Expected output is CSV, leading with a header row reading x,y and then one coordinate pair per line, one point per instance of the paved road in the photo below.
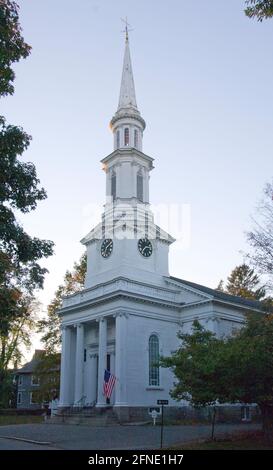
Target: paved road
x,y
60,436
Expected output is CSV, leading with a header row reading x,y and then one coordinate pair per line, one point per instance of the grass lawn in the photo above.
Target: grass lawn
x,y
252,441
5,420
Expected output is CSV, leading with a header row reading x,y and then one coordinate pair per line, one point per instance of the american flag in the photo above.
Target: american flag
x,y
108,384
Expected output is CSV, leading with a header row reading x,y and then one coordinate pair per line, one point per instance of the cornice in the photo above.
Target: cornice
x,y
106,298
121,152
127,115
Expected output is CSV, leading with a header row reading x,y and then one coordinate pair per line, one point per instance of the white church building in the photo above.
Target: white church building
x,y
131,308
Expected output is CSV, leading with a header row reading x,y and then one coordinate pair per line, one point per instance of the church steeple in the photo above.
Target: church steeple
x,y
127,96
127,124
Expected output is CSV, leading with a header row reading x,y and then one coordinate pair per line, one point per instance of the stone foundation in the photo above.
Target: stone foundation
x,y
105,416
188,415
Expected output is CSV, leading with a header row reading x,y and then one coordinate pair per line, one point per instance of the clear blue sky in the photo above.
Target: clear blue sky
x,y
203,76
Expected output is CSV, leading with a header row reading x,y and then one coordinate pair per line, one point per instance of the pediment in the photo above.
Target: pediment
x,y
121,227
188,294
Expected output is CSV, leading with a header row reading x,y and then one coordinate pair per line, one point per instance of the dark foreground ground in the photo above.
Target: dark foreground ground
x,y
60,436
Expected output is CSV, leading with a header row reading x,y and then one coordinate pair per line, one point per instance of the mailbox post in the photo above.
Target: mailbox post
x,y
162,403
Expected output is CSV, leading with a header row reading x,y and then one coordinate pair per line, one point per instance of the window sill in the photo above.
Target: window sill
x,y
154,387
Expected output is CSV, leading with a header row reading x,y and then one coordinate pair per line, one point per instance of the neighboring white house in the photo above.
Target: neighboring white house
x,y
131,309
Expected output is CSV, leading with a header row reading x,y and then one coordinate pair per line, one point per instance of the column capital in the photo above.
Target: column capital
x,y
212,317
121,314
101,319
78,325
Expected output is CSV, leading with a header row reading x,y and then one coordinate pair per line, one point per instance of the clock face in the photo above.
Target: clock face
x,y
145,247
106,247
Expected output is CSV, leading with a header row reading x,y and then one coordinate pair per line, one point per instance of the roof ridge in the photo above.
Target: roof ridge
x,y
219,294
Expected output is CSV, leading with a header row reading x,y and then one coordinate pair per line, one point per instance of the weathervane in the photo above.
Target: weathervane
x,y
126,30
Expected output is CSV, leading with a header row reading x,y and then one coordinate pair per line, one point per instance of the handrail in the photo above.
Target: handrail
x,y
81,401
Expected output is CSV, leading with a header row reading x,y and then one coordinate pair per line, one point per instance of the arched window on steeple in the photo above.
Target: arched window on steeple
x,y
140,186
153,360
135,139
118,139
126,136
113,185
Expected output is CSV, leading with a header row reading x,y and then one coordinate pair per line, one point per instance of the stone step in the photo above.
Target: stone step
x,y
91,417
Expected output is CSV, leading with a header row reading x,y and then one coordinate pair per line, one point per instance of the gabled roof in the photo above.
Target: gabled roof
x,y
218,295
32,365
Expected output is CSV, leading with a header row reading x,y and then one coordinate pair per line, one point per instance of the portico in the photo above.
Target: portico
x,y
88,349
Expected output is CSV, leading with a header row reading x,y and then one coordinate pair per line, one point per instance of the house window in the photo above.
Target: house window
x,y
35,380
19,398
118,139
84,355
20,380
140,187
153,360
135,139
113,185
126,136
33,399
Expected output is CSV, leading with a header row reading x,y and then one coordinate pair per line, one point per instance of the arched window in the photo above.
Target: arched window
x,y
113,185
153,360
126,136
135,139
140,186
118,139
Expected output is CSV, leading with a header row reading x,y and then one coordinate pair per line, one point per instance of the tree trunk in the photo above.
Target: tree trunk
x,y
267,421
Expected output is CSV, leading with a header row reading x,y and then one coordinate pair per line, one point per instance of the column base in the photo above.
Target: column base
x,y
64,405
101,405
122,412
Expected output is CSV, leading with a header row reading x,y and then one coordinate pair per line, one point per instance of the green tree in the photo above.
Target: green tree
x,y
16,336
12,44
20,271
50,326
244,282
48,373
237,369
248,362
193,365
260,9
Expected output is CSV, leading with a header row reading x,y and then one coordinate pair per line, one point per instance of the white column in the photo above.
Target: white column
x,y
118,180
108,183
91,378
102,360
65,398
120,365
79,364
146,186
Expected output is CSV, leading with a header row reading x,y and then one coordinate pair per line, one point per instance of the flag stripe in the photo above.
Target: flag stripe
x,y
108,384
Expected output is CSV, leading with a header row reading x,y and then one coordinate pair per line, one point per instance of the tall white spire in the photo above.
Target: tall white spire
x,y
127,96
127,124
